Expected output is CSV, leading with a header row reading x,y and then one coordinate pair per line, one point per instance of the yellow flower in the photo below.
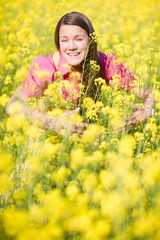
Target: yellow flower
x,y
3,57
15,122
102,227
80,222
40,195
55,112
97,158
5,183
138,136
49,149
151,127
5,162
61,175
75,118
20,74
66,65
8,80
42,74
146,225
107,179
37,215
36,67
112,206
151,166
15,221
115,121
20,197
99,81
123,49
92,114
14,108
82,175
98,194
75,75
4,100
77,159
91,134
103,145
35,165
33,132
126,145
90,182
54,198
72,190
88,102
116,81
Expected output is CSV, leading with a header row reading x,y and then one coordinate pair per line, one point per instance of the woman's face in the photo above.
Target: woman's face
x,y
73,42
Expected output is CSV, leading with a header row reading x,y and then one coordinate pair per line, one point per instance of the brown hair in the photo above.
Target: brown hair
x,y
79,19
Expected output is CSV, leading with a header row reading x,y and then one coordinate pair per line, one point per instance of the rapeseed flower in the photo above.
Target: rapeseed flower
x,y
49,150
5,183
15,222
72,190
15,108
126,145
90,183
91,134
101,185
20,74
60,176
4,100
77,159
107,179
5,163
16,122
112,206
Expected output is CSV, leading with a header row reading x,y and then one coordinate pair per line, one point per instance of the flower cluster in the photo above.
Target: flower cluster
x,y
104,184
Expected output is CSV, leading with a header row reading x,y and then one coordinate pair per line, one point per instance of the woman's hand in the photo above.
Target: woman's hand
x,y
140,115
62,124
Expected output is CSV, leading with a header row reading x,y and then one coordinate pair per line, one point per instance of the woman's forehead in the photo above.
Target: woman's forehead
x,y
71,30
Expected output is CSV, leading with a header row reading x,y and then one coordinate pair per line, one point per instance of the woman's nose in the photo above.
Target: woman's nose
x,y
72,45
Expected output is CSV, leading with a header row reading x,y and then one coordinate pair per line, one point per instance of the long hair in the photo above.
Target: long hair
x,y
79,19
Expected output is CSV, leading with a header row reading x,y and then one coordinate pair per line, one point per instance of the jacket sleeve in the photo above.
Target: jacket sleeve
x,y
40,74
117,73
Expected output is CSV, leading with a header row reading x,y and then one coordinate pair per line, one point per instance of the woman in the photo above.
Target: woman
x,y
76,48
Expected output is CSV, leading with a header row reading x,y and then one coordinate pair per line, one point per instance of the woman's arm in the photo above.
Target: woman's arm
x,y
112,68
146,95
141,113
60,124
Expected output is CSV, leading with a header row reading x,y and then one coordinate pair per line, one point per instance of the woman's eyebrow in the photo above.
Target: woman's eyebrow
x,y
78,35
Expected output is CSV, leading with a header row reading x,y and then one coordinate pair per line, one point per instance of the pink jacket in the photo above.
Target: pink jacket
x,y
42,71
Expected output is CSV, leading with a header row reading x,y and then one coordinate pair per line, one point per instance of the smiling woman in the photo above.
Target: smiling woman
x,y
73,36
73,44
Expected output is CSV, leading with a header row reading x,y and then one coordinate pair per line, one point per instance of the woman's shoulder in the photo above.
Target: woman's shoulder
x,y
103,60
109,59
42,61
41,58
102,55
107,55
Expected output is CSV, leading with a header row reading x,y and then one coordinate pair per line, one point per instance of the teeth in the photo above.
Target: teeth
x,y
73,54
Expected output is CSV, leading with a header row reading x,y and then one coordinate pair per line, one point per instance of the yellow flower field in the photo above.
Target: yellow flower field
x,y
105,184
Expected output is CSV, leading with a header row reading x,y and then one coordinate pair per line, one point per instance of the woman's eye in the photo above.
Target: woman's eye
x,y
79,39
64,40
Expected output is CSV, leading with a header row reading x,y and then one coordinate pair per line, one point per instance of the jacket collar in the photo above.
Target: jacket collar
x,y
61,63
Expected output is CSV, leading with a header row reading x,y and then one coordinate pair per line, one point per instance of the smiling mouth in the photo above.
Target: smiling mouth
x,y
73,54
